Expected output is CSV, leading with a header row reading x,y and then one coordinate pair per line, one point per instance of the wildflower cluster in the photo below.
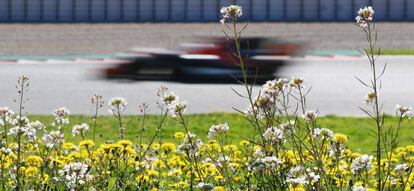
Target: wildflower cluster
x,y
365,16
55,163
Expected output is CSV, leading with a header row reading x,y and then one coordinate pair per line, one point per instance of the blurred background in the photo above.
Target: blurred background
x,y
73,49
197,10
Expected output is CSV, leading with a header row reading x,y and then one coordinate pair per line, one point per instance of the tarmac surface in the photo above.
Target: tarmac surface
x,y
334,87
60,39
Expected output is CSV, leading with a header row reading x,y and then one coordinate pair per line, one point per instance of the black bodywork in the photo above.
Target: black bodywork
x,y
215,63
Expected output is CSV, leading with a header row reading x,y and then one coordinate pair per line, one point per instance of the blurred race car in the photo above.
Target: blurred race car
x,y
209,60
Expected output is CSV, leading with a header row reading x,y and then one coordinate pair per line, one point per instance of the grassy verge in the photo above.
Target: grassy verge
x,y
397,52
357,129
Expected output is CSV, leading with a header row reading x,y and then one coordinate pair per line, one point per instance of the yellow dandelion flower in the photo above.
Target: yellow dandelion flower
x,y
158,163
116,146
44,179
106,148
341,138
86,143
219,188
410,148
151,173
30,171
34,160
155,146
68,145
244,143
168,147
142,178
182,184
219,178
129,150
179,135
237,179
125,143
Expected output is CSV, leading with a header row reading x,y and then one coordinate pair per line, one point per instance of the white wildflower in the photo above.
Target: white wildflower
x,y
313,176
75,173
300,175
20,121
177,108
27,131
323,133
5,111
223,160
217,129
37,125
275,87
401,168
254,111
231,12
296,83
21,127
267,163
15,131
117,104
259,152
5,151
80,129
365,16
190,145
61,116
5,115
404,111
370,98
264,101
205,186
310,116
362,163
359,188
169,98
298,180
288,126
274,135
53,138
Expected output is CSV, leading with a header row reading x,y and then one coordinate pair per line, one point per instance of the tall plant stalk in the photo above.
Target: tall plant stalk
x,y
365,21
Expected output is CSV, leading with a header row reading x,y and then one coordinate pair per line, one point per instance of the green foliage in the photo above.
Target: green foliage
x,y
357,129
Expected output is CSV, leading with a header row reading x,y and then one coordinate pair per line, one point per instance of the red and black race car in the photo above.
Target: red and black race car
x,y
209,60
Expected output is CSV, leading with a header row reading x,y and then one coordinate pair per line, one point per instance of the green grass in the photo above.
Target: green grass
x,y
397,52
357,129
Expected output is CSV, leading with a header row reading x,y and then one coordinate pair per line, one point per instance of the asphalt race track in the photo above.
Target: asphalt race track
x,y
58,39
334,87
